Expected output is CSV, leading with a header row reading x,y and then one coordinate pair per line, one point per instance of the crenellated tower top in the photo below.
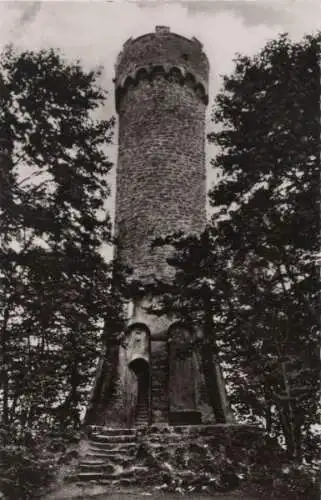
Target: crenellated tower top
x,y
162,51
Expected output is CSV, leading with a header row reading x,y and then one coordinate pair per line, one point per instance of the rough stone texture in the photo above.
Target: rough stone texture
x,y
88,492
159,396
212,458
161,96
218,456
161,171
182,370
120,410
161,158
161,49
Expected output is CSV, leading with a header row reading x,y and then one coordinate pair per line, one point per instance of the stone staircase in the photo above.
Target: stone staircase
x,y
110,458
193,457
159,362
142,413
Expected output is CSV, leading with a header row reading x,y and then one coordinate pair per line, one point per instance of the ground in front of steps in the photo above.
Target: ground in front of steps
x,y
165,496
74,492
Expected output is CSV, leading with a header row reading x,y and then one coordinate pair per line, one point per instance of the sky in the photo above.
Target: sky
x,y
94,32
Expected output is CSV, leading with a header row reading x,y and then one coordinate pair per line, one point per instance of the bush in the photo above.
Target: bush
x,y
29,463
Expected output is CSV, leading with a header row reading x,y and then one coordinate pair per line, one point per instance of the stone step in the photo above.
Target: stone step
x,y
88,476
121,438
90,460
112,448
160,445
173,438
110,431
118,459
161,436
105,445
109,482
101,453
133,473
108,451
106,468
113,483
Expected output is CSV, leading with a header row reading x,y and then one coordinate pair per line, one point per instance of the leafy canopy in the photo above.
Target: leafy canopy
x,y
55,285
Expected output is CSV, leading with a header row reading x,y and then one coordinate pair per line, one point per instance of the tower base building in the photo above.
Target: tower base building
x,y
161,90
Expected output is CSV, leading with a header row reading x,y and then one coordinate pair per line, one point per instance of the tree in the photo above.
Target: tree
x,y
267,207
55,286
256,263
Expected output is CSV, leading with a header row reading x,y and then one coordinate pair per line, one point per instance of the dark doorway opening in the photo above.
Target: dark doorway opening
x,y
141,369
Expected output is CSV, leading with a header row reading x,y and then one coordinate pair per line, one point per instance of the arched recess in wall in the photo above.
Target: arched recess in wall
x,y
138,360
142,74
137,344
176,74
182,391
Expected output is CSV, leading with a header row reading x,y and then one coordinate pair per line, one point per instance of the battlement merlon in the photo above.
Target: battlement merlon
x,y
162,51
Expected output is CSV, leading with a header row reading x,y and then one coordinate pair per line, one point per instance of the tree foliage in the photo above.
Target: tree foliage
x,y
55,286
257,262
267,212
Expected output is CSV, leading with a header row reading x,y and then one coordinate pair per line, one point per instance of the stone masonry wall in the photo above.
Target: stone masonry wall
x,y
161,89
164,49
161,170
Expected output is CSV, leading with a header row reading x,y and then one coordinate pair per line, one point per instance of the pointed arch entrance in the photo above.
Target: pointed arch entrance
x,y
138,356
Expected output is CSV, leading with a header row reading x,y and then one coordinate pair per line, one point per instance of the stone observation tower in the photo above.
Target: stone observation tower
x,y
161,90
161,96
